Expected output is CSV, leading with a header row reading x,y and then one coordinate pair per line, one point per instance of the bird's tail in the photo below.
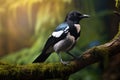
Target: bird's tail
x,y
42,57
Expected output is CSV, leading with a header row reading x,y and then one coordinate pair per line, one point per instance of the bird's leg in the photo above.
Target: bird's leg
x,y
75,57
64,62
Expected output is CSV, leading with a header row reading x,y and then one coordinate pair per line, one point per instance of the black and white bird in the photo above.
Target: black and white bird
x,y
64,37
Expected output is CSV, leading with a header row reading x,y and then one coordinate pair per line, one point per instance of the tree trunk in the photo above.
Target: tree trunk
x,y
113,71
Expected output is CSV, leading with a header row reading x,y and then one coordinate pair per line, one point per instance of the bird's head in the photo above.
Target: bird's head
x,y
75,16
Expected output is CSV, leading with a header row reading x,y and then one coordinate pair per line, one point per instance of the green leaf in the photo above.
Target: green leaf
x,y
116,3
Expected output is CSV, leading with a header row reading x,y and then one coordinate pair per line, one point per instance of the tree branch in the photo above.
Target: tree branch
x,y
41,71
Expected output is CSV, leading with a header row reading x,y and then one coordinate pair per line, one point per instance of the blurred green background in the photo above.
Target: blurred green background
x,y
25,26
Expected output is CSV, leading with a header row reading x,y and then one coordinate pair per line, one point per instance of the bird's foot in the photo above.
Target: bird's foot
x,y
65,62
74,57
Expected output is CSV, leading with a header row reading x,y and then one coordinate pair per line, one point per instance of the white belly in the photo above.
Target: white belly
x,y
65,44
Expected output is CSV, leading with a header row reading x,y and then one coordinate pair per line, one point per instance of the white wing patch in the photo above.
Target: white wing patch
x,y
57,34
66,29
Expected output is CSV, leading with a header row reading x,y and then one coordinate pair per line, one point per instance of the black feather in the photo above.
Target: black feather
x,y
47,48
42,57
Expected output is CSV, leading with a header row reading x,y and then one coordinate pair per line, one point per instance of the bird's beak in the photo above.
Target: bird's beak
x,y
85,16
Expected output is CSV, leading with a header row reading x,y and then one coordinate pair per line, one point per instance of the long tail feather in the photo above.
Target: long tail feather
x,y
41,58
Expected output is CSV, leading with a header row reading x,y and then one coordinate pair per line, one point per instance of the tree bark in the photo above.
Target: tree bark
x,y
41,71
113,71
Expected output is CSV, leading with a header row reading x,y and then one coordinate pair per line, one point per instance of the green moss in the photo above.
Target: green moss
x,y
103,52
116,3
118,34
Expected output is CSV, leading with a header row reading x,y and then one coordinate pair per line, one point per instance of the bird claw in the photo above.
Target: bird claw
x,y
65,62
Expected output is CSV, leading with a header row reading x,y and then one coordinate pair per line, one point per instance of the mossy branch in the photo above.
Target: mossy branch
x,y
41,71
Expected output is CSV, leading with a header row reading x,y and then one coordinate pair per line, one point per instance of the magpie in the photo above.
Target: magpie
x,y
63,38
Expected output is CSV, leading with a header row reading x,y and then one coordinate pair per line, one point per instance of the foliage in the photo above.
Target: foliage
x,y
117,3
26,24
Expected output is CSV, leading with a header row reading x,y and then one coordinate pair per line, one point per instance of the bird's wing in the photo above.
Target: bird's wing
x,y
59,33
61,30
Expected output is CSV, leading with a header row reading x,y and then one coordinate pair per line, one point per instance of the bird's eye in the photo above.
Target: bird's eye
x,y
79,14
